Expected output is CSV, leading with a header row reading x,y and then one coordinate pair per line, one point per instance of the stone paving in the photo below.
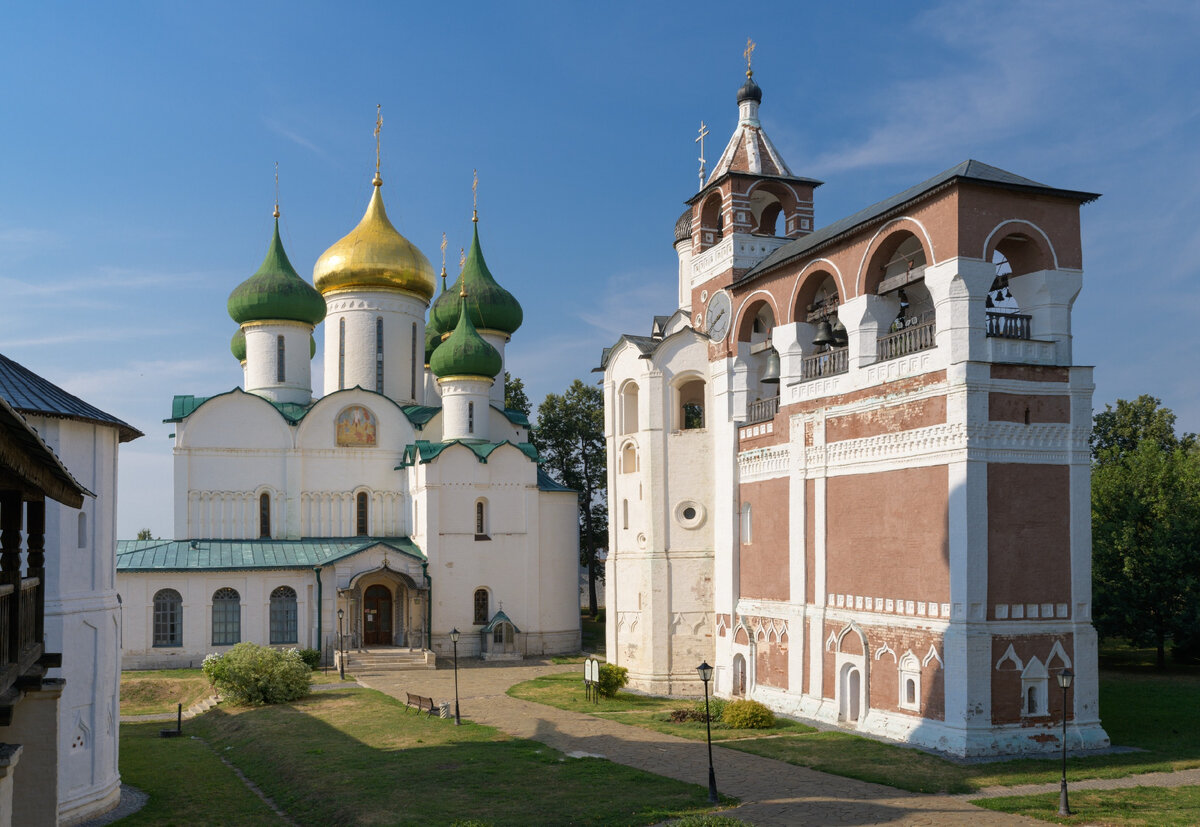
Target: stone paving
x,y
772,792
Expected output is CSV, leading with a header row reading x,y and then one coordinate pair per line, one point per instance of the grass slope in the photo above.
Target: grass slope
x,y
1151,806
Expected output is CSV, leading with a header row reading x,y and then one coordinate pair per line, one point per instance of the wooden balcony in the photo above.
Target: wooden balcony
x,y
762,410
829,363
1009,325
920,334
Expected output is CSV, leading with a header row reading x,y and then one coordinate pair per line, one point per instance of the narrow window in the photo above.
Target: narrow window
x,y
470,417
412,367
284,628
264,515
168,618
226,617
379,354
481,520
82,530
625,514
280,372
362,516
747,526
341,353
481,606
1031,705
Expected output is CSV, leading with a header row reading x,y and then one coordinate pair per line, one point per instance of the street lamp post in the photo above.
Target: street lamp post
x,y
706,673
1064,680
454,635
341,640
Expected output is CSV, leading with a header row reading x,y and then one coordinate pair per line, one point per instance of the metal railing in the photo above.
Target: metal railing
x,y
762,410
829,363
1009,325
916,337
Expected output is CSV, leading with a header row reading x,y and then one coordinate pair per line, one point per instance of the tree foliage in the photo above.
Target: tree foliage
x,y
145,534
570,438
1146,527
515,398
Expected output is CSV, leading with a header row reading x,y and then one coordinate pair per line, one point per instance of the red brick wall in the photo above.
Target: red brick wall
x,y
1028,408
1007,699
764,561
887,419
1029,533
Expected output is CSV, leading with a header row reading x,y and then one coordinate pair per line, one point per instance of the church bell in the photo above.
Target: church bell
x,y
771,372
824,333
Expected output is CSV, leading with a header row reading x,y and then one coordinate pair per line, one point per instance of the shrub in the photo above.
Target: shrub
x,y
612,678
312,657
695,712
746,714
252,674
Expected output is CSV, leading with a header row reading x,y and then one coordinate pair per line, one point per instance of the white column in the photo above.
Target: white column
x,y
465,402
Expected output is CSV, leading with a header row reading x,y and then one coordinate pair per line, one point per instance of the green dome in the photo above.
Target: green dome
x,y
238,345
465,352
492,307
312,346
276,292
433,338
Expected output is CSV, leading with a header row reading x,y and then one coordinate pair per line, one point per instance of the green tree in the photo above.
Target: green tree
x,y
515,398
1145,527
1117,432
144,534
570,438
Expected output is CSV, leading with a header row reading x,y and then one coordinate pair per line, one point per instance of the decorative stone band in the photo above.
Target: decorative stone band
x,y
764,463
890,605
465,377
1030,611
761,429
357,288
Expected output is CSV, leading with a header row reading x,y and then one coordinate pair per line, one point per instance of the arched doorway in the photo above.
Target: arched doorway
x,y
851,689
739,676
377,616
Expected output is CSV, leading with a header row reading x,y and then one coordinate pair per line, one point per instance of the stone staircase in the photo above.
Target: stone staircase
x,y
385,659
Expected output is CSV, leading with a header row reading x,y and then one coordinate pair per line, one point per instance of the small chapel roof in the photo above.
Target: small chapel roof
x,y
29,393
424,452
214,555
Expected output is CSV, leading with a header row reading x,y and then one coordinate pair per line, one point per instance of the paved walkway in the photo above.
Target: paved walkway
x,y
772,792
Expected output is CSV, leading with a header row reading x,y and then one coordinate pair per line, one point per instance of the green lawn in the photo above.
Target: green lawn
x,y
1165,806
153,691
356,756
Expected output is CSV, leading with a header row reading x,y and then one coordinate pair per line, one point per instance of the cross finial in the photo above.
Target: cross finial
x,y
378,129
749,55
700,140
475,195
462,258
276,213
443,262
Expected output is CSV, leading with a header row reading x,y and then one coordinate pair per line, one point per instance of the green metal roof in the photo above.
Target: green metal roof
x,y
184,405
237,345
498,618
425,452
545,482
490,305
276,292
465,352
214,555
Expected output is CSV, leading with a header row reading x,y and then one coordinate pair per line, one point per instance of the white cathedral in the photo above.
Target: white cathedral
x,y
403,504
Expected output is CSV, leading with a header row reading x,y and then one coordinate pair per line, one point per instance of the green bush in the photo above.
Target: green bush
x,y
746,714
252,674
695,712
612,678
312,657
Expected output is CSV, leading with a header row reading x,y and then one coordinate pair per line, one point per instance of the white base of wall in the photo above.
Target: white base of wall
x,y
89,804
528,645
684,684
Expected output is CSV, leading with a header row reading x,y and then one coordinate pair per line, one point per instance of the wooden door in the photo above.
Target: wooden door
x,y
377,616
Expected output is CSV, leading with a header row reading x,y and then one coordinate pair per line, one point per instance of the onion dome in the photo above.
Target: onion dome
x,y
433,338
491,306
749,91
465,352
312,346
276,292
238,345
683,226
374,256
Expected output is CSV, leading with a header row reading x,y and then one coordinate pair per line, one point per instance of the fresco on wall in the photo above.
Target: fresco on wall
x,y
355,427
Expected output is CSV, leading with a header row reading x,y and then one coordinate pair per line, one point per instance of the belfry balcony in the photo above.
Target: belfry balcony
x,y
830,363
917,334
762,410
1009,325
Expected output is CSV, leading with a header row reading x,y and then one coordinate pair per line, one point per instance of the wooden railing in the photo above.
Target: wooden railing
x,y
828,363
1009,325
6,592
911,339
762,410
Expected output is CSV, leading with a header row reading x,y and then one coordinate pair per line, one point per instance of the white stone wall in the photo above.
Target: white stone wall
x,y
400,312
465,405
262,361
83,617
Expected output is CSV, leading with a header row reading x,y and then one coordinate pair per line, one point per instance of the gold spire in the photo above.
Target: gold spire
x,y
378,181
276,213
749,54
475,195
443,262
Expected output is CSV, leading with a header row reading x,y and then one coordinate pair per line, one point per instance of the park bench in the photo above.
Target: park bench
x,y
421,703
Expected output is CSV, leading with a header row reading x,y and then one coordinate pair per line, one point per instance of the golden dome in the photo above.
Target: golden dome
x,y
374,256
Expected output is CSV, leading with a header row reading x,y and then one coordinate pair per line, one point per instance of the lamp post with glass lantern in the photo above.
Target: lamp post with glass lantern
x,y
706,673
1064,680
341,641
454,635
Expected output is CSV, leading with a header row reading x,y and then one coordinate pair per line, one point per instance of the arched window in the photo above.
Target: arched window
x,y
691,405
379,354
168,618
481,606
284,628
226,617
82,530
1031,705
910,682
362,515
628,458
412,364
280,366
747,532
470,417
481,516
629,408
341,353
264,515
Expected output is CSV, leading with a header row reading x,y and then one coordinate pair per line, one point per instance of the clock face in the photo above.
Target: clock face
x,y
718,312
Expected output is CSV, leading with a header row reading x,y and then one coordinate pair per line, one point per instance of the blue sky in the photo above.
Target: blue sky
x,y
137,144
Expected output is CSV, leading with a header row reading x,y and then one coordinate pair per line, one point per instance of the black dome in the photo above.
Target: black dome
x,y
683,227
750,91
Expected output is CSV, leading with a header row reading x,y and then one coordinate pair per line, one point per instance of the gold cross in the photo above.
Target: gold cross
x,y
749,54
276,189
474,195
700,140
462,257
378,128
443,251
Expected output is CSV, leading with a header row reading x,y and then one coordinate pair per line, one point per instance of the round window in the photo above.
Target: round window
x,y
689,514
